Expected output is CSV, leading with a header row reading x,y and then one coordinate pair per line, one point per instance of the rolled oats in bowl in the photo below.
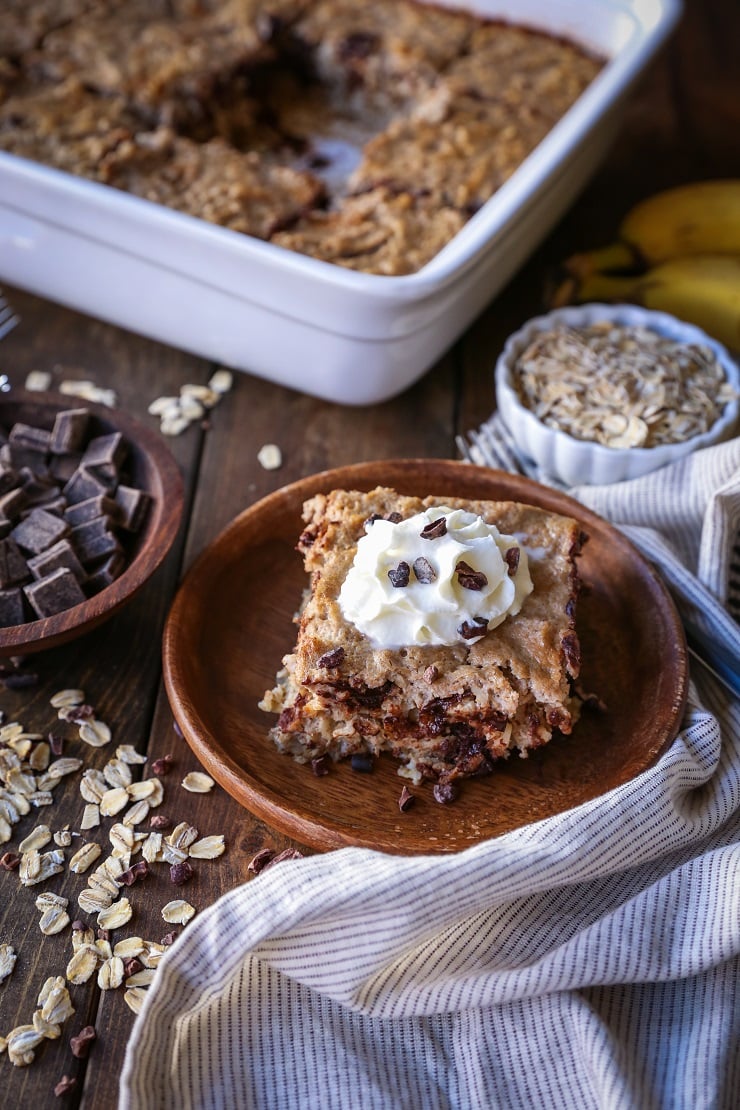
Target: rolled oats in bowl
x,y
601,393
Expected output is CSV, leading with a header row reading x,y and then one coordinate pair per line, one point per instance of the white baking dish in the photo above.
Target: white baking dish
x,y
344,336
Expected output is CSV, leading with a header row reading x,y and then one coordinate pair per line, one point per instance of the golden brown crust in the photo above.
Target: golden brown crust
x,y
444,711
410,115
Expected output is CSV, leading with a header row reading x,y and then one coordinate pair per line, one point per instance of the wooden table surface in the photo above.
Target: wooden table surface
x,y
683,123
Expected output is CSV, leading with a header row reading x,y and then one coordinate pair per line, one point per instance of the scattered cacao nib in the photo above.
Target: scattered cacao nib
x,y
320,766
394,518
131,966
181,873
424,570
400,575
138,870
333,658
80,1044
570,608
65,1086
260,861
78,926
9,861
56,743
406,800
511,557
435,529
362,762
444,792
102,934
76,714
469,578
371,519
431,673
162,765
287,853
469,630
306,539
159,821
169,938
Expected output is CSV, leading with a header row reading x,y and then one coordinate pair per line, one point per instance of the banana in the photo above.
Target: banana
x,y
699,218
700,289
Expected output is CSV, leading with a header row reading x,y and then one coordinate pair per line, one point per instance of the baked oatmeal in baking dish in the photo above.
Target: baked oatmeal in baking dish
x,y
438,630
362,134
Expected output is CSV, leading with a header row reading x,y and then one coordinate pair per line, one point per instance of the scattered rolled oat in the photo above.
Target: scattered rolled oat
x,y
38,381
197,782
270,457
134,998
89,391
7,960
621,386
176,414
178,912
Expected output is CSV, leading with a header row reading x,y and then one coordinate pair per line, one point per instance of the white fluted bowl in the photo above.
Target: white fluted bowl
x,y
583,462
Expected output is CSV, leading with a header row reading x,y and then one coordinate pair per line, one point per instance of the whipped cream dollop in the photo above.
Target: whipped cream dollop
x,y
444,576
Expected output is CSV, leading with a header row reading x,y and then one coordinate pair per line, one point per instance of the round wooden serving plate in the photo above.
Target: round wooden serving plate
x,y
231,623
149,466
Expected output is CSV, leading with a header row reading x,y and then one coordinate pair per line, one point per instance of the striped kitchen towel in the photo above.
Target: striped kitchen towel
x,y
590,960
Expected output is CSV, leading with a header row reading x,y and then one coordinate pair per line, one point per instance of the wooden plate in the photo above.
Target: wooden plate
x,y
231,623
151,467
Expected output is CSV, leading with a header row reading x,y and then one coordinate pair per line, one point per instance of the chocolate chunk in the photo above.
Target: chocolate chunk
x,y
12,610
62,467
399,576
34,439
8,477
394,518
56,592
19,456
435,529
133,505
94,542
424,571
62,554
320,766
333,658
107,451
84,511
362,762
39,530
106,573
469,578
84,484
12,503
13,566
69,431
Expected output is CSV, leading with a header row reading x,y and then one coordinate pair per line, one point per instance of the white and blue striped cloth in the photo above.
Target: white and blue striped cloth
x,y
591,960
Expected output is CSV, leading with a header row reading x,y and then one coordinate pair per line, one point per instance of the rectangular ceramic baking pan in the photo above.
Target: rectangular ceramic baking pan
x,y
348,337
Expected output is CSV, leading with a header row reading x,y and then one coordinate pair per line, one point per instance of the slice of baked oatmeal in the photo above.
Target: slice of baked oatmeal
x,y
430,635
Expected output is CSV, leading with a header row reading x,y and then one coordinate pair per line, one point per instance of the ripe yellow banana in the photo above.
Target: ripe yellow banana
x,y
699,218
700,289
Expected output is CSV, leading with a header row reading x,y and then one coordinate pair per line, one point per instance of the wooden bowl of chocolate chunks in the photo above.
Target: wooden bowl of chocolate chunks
x,y
90,504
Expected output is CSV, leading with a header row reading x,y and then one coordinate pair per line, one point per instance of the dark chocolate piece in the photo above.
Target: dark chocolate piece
x,y
8,477
108,450
33,439
62,554
55,593
12,503
11,607
13,567
133,505
84,484
38,531
69,431
94,541
62,467
106,573
100,506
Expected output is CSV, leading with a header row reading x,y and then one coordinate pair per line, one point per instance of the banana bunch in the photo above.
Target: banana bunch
x,y
677,251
